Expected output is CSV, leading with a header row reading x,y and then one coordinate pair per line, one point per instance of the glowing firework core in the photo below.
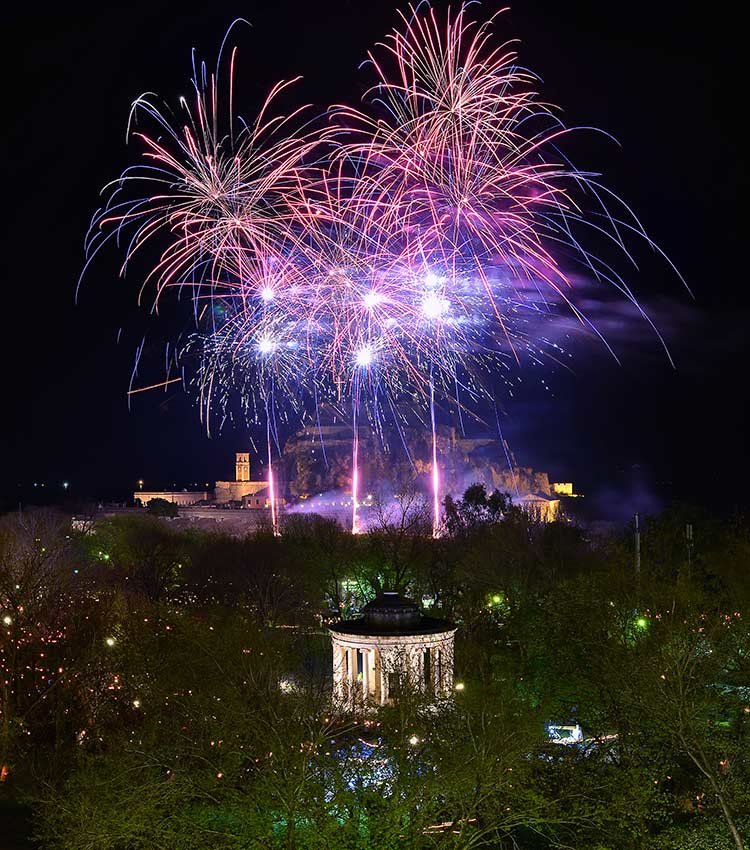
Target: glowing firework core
x,y
372,299
364,357
433,306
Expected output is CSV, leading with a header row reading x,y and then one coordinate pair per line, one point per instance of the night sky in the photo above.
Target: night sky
x,y
663,79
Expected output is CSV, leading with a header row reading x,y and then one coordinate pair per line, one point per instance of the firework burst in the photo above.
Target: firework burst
x,y
397,252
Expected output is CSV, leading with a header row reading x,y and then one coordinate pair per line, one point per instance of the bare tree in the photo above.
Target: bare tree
x,y
397,538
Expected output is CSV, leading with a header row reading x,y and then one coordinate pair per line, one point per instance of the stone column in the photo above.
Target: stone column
x,y
448,667
377,685
384,667
365,675
352,673
339,672
345,675
415,659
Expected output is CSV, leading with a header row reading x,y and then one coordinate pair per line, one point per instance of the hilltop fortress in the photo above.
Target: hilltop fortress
x,y
319,460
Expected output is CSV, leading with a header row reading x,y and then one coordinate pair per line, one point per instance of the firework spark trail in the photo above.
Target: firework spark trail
x,y
511,465
435,470
405,249
271,485
355,457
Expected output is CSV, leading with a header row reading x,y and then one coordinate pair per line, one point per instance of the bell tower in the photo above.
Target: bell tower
x,y
242,466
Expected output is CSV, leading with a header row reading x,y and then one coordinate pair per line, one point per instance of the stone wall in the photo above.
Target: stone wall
x,y
233,491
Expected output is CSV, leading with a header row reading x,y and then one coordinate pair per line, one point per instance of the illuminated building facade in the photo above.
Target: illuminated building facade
x,y
540,506
242,486
242,489
391,647
183,498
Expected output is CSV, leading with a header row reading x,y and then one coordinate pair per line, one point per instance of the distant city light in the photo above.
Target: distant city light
x,y
110,641
459,686
414,740
7,620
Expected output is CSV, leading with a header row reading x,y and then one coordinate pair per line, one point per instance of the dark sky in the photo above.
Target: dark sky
x,y
662,78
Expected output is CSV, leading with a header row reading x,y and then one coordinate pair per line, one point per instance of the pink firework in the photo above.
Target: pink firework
x,y
374,258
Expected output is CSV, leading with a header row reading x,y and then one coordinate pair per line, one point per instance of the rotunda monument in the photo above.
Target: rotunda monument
x,y
393,645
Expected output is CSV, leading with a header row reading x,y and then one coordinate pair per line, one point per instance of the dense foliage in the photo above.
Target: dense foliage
x,y
166,689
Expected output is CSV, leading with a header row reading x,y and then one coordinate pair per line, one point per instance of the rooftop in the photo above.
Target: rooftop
x,y
391,614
